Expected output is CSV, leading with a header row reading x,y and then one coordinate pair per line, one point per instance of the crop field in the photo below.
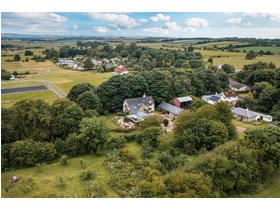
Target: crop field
x,y
212,53
239,62
275,50
219,44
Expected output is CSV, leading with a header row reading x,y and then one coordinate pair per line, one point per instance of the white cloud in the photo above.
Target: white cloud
x,y
272,16
247,24
158,29
233,20
190,29
120,20
101,29
160,17
275,16
143,20
172,25
34,21
197,23
75,27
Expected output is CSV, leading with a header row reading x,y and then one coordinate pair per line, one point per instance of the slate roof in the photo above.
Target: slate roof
x,y
143,101
245,112
170,108
184,99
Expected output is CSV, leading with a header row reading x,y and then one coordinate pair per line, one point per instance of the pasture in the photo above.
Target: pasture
x,y
275,50
64,79
219,44
240,61
215,54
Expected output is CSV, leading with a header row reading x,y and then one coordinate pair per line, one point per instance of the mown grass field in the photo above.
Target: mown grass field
x,y
64,79
17,83
8,100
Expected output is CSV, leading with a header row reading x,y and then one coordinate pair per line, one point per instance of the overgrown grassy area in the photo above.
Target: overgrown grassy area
x,y
40,182
9,100
212,53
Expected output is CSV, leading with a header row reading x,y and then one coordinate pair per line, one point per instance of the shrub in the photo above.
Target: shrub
x,y
87,174
165,122
63,160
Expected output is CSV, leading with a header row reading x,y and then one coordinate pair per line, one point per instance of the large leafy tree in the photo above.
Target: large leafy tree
x,y
93,134
114,91
29,152
89,100
8,129
180,184
69,120
78,89
232,167
32,119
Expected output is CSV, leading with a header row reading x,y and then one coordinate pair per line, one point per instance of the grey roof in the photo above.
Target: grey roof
x,y
214,98
184,99
137,112
237,85
143,101
268,116
245,112
170,108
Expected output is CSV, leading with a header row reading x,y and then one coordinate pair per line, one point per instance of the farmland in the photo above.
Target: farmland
x,y
275,50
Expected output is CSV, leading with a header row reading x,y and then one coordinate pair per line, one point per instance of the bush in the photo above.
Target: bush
x,y
63,160
122,130
94,190
82,163
87,174
165,122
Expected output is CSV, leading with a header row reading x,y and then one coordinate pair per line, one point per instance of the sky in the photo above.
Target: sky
x,y
131,24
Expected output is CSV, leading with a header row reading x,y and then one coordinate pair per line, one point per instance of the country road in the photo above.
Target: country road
x,y
55,89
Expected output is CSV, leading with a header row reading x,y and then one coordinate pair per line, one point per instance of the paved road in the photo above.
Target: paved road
x,y
23,89
53,88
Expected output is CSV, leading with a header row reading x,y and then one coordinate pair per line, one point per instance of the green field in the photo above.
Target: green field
x,y
212,53
21,83
8,100
239,62
47,71
275,50
219,44
42,44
